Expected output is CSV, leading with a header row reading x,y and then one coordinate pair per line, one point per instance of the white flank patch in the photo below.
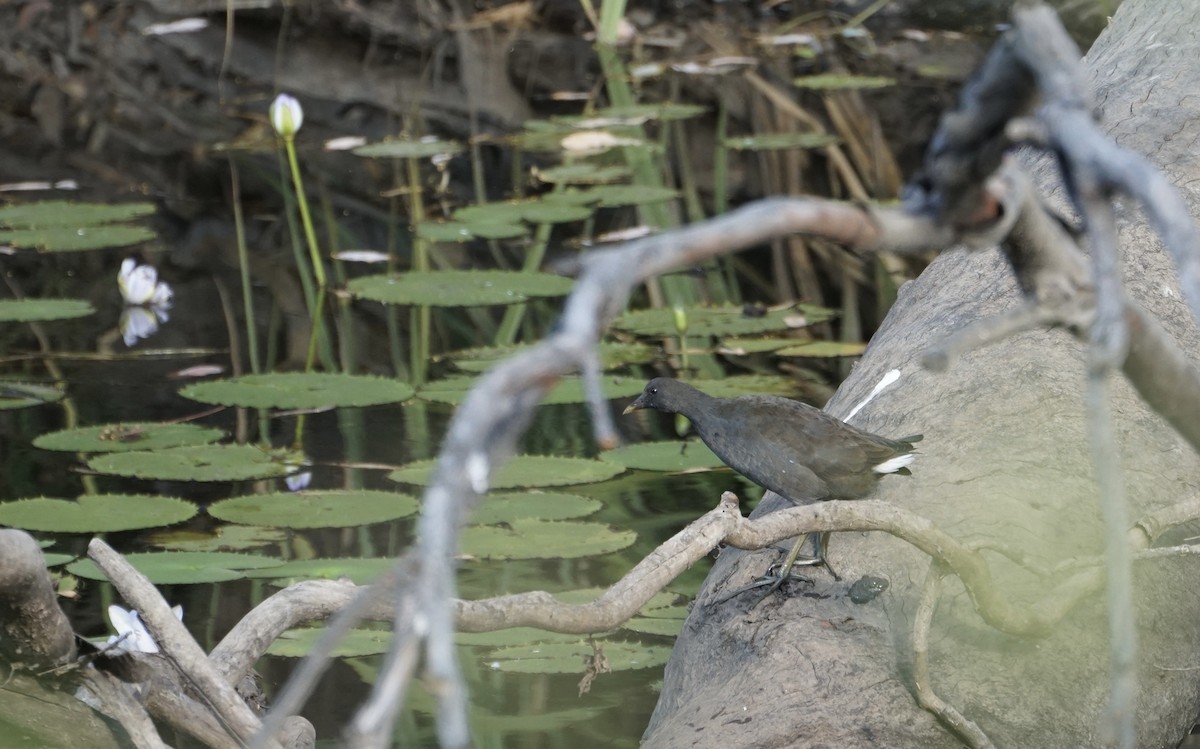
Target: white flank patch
x,y
891,376
895,464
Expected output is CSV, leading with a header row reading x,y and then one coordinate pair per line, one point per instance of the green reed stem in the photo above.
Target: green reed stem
x,y
420,317
289,145
239,225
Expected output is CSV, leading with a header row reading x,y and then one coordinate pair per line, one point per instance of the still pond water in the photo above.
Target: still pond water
x,y
518,701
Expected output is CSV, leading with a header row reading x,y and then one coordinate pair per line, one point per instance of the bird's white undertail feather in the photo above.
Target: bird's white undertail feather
x,y
894,464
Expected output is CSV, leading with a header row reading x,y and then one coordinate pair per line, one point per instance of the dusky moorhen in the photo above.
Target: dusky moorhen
x,y
793,449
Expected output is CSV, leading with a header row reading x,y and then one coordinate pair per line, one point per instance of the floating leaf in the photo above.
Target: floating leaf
x,y
780,141
183,567
107,438
316,509
651,626
721,321
611,196
505,508
842,81
22,395
458,288
664,456
101,513
497,231
824,349
512,636
555,213
43,310
299,390
632,114
362,570
453,390
297,643
54,560
612,355
524,470
731,387
744,346
582,174
69,239
199,463
409,149
224,538
444,231
562,658
531,538
507,212
69,213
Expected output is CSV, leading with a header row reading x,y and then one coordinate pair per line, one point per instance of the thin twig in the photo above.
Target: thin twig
x,y
966,729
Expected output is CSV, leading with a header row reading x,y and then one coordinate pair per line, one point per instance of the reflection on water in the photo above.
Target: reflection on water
x,y
510,709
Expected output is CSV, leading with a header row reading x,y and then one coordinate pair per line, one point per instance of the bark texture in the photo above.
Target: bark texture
x,y
1005,461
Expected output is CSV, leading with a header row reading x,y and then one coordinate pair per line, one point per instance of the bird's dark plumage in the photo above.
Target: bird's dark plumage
x,y
783,445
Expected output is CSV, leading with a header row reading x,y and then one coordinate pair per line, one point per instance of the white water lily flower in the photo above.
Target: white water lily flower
x,y
286,115
132,636
139,284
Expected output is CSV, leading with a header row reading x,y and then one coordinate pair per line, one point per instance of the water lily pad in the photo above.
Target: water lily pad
x,y
183,567
420,148
55,225
524,470
107,438
459,288
43,310
297,643
842,82
507,212
611,196
72,239
745,346
722,321
453,390
664,456
484,230
612,355
824,349
563,658
316,509
224,538
651,626
505,508
781,141
22,395
582,174
532,538
198,463
731,387
555,213
57,558
299,390
512,636
70,213
632,114
443,231
361,570
101,513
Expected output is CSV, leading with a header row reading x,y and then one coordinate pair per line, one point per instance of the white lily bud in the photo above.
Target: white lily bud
x,y
286,115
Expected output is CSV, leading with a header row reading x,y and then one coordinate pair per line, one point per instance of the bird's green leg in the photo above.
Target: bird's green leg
x,y
794,559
